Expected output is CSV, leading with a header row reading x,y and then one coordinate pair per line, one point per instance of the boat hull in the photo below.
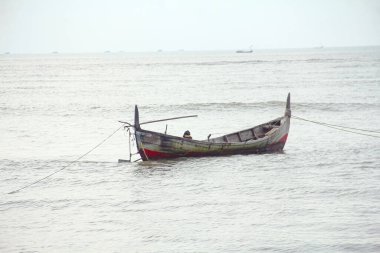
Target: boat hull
x,y
268,137
154,146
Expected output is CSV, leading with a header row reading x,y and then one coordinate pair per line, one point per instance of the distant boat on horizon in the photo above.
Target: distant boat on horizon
x,y
245,50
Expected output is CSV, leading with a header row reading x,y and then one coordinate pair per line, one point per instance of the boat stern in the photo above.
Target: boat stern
x,y
288,111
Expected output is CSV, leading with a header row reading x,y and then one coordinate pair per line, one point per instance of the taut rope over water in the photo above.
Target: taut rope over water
x,y
341,128
64,167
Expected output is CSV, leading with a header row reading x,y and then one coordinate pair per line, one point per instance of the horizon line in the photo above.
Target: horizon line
x,y
178,50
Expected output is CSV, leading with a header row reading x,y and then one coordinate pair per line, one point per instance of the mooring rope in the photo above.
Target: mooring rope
x,y
341,128
64,167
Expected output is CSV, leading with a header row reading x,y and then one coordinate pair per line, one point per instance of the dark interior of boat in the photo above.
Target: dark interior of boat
x,y
250,134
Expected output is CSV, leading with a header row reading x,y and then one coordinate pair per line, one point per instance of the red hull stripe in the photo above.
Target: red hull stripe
x,y
284,138
151,154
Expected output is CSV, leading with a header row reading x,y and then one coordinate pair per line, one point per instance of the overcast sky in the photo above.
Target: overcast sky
x,y
38,26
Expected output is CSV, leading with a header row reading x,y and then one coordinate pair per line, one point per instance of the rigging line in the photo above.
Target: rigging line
x,y
64,167
323,123
341,129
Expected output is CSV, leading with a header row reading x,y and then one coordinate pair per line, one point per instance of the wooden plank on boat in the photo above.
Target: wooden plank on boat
x,y
239,137
246,135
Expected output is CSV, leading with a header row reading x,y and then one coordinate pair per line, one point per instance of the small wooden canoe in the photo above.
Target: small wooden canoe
x,y
268,137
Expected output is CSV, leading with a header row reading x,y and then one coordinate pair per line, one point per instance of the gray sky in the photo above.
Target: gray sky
x,y
39,26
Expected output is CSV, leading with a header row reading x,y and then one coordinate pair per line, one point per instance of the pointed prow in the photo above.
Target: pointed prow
x,y
288,112
137,118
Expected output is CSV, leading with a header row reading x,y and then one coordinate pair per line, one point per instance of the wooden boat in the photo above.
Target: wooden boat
x,y
268,137
245,51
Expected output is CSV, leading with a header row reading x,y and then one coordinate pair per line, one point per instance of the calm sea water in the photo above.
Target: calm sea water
x,y
322,194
